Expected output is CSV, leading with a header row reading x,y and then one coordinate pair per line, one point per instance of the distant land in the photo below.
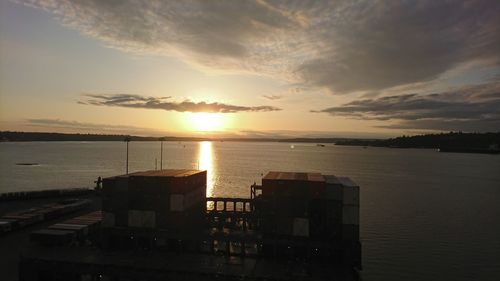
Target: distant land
x,y
452,141
445,142
6,136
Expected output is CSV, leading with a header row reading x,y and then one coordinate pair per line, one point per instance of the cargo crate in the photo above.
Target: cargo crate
x,y
52,237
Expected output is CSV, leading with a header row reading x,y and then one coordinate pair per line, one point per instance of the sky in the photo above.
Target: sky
x,y
250,68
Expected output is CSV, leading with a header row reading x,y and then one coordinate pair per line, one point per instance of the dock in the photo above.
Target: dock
x,y
159,225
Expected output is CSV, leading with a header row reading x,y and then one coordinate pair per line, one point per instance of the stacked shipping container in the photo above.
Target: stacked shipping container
x,y
23,218
173,200
350,209
76,230
322,208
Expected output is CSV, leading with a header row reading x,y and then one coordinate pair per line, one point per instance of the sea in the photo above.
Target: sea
x,y
425,215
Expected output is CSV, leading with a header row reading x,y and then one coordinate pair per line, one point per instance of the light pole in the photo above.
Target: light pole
x,y
161,153
127,140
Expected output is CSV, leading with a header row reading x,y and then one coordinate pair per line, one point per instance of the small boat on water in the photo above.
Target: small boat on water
x,y
320,144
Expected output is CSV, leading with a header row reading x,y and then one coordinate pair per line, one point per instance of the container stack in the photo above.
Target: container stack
x,y
320,209
50,193
23,218
78,230
334,203
350,210
172,201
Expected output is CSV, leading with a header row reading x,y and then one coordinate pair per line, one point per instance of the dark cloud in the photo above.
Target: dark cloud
x,y
344,46
476,106
272,97
382,44
136,101
488,125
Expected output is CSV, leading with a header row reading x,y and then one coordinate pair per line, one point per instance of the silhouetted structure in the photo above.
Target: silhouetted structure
x,y
127,140
158,225
98,183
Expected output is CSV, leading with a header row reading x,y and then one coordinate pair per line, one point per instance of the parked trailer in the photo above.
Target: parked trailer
x,y
50,193
5,226
81,228
24,218
52,237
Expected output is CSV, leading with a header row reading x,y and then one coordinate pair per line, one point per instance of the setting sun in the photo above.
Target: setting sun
x,y
207,122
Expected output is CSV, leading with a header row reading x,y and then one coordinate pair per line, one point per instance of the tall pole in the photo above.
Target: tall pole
x,y
127,140
161,153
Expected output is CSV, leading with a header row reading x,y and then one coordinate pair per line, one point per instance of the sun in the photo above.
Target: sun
x,y
207,122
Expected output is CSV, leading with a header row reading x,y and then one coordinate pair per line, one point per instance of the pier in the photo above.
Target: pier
x,y
157,225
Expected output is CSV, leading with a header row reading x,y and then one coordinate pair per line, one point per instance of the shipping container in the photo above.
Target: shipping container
x,y
287,206
350,232
180,221
121,218
350,191
285,184
333,211
5,226
180,192
115,193
14,223
89,218
350,214
301,227
142,219
176,202
268,225
316,184
81,231
284,226
22,221
333,188
52,236
333,232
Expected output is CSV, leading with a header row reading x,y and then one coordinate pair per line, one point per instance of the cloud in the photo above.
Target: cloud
x,y
272,97
488,125
136,101
76,126
282,134
68,126
390,43
467,107
344,46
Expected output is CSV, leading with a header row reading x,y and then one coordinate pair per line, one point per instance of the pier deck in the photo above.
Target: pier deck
x,y
159,225
63,263
231,249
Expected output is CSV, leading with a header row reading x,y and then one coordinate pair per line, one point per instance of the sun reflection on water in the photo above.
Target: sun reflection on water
x,y
205,162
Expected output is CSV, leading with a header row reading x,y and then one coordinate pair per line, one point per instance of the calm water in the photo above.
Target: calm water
x,y
424,215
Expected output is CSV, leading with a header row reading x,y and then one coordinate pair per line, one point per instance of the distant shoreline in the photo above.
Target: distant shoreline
x,y
445,142
488,143
7,136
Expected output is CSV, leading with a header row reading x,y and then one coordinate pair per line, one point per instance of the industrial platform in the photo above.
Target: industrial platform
x,y
159,225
